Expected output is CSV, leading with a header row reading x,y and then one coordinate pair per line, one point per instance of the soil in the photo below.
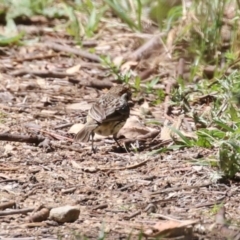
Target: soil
x,y
120,192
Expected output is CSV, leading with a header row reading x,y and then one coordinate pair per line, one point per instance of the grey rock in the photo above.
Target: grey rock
x,y
65,214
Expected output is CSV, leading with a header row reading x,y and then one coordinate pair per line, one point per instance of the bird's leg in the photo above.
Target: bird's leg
x,y
115,139
93,149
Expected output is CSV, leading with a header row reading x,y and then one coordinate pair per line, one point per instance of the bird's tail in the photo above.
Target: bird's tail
x,y
84,134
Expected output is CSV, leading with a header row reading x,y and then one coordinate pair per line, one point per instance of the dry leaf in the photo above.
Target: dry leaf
x,y
75,164
41,82
173,228
167,133
45,112
118,60
134,129
73,69
144,109
75,128
128,65
6,97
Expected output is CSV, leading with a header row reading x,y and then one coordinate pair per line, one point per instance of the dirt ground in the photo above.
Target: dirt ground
x,y
46,89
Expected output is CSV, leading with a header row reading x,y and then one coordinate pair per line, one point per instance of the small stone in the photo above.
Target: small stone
x,y
65,214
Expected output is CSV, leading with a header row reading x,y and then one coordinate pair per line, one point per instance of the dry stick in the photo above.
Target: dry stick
x,y
7,205
17,211
21,138
147,73
100,84
161,144
132,215
69,190
151,44
102,206
65,125
17,109
167,99
180,188
26,238
41,73
37,57
165,217
208,204
8,169
8,180
78,52
180,67
30,238
56,136
34,225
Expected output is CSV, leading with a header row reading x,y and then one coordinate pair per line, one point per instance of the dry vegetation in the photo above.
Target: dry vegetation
x,y
179,171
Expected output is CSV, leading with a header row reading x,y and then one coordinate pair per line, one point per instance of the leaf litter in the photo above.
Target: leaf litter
x,y
49,86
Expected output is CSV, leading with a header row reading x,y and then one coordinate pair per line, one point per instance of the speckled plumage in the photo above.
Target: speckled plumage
x,y
107,115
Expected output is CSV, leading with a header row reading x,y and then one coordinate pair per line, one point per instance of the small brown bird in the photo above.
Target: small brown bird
x,y
107,115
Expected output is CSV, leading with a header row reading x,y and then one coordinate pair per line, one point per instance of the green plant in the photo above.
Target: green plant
x,y
115,71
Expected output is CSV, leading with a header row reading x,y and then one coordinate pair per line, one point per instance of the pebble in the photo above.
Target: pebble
x,y
64,214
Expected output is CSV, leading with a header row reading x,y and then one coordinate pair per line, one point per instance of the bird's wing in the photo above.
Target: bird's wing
x,y
112,110
97,112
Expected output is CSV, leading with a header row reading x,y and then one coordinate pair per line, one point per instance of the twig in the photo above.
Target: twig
x,y
20,138
180,188
165,217
132,215
26,238
41,73
161,144
208,204
8,180
10,108
102,206
169,86
152,43
8,169
66,125
147,73
78,52
68,190
7,205
17,211
37,57
54,135
92,83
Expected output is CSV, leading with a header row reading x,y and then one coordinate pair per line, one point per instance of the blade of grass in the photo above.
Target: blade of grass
x,y
122,14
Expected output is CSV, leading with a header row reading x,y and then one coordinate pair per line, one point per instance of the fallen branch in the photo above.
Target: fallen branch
x,y
21,138
36,57
152,44
17,211
7,205
8,180
180,188
78,52
41,73
132,215
99,84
